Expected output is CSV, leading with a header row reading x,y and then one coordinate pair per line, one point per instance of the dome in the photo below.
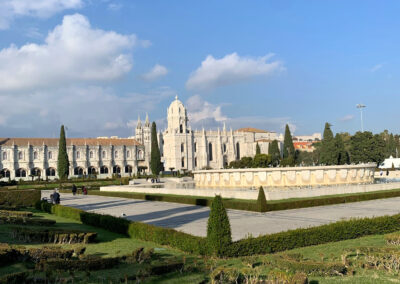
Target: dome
x,y
176,107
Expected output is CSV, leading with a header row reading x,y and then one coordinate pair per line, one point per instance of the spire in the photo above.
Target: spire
x,y
147,123
139,123
176,97
224,127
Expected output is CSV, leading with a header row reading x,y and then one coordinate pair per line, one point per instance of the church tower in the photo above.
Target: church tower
x,y
177,117
139,131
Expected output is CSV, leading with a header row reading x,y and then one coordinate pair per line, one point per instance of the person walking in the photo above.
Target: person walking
x,y
84,190
74,189
56,197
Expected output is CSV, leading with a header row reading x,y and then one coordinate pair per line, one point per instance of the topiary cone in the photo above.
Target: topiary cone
x,y
261,201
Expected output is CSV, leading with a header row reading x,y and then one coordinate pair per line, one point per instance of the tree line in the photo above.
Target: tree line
x,y
340,149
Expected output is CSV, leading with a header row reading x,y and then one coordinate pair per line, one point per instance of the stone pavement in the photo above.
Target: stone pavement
x,y
193,219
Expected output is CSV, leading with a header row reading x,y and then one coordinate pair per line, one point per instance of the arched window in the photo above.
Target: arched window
x,y
51,172
210,153
116,170
78,171
91,170
35,155
91,154
20,173
224,148
128,154
36,172
183,162
182,148
50,155
4,155
195,162
103,154
237,151
4,173
20,155
116,154
103,170
78,155
140,154
128,169
180,128
195,147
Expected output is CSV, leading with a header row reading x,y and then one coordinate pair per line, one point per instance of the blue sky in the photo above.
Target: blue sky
x,y
96,65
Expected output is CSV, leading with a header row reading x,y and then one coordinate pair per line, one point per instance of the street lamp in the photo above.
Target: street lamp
x,y
360,107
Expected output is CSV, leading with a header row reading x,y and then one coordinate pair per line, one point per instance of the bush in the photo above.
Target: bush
x,y
107,222
88,263
26,221
218,228
15,213
261,201
334,232
168,237
19,197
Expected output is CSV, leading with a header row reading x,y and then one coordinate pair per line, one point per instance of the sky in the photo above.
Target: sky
x,y
96,65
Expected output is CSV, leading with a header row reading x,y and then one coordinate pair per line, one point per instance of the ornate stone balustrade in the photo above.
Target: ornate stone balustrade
x,y
288,176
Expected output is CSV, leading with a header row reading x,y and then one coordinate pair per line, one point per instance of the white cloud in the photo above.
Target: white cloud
x,y
346,118
231,69
376,67
114,6
156,72
11,9
210,116
87,111
72,52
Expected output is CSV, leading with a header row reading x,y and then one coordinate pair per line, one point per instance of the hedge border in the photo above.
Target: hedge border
x,y
20,197
252,205
339,231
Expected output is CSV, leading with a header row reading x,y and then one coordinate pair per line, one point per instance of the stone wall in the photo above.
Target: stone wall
x,y
286,177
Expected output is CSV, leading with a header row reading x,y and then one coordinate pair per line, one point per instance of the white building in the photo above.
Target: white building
x,y
22,158
184,149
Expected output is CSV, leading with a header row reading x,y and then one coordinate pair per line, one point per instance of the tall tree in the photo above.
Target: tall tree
x,y
258,150
366,147
288,147
155,160
328,154
273,151
62,161
342,156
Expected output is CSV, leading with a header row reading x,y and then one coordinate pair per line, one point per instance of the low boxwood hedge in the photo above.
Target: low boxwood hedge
x,y
342,230
27,197
252,205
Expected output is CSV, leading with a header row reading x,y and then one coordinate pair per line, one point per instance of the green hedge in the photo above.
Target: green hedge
x,y
19,197
334,232
252,205
342,230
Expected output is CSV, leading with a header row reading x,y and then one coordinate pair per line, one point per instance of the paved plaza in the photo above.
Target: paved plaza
x,y
193,219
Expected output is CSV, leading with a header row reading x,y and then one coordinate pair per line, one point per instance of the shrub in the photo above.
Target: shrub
x,y
107,222
261,201
26,221
19,197
17,277
218,228
393,239
15,213
342,230
88,263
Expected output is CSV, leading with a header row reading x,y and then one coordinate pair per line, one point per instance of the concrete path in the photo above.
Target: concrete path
x,y
193,219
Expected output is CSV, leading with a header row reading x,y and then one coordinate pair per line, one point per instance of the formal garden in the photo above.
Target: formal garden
x,y
45,243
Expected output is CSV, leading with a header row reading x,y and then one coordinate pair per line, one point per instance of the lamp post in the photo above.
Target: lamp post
x,y
360,107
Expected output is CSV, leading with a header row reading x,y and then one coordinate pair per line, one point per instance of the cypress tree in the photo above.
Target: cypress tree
x,y
62,161
274,152
155,160
288,147
258,150
218,228
342,156
261,201
328,155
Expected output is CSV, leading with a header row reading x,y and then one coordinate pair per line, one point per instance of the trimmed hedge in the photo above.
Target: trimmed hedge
x,y
26,221
342,230
252,205
334,232
26,197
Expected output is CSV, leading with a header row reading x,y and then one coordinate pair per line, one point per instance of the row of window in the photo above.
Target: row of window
x,y
210,151
5,173
78,155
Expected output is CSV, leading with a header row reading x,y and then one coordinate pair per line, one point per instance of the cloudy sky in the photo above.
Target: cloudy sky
x,y
96,65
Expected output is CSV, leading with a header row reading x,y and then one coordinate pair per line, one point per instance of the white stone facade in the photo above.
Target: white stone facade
x,y
27,158
184,149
